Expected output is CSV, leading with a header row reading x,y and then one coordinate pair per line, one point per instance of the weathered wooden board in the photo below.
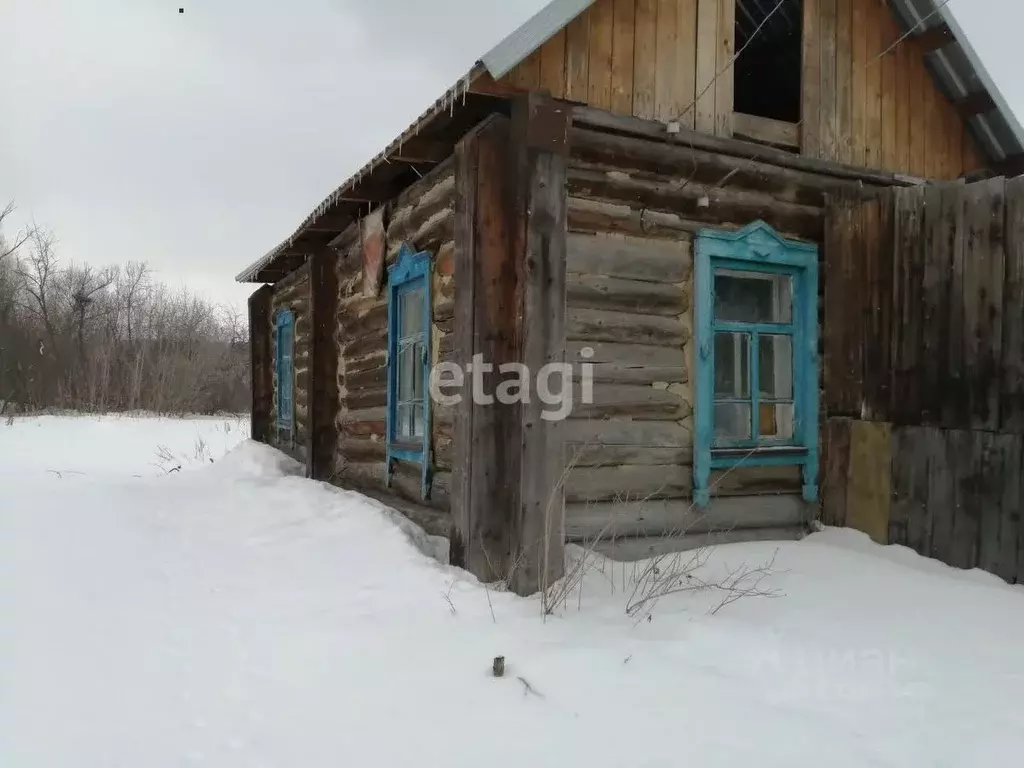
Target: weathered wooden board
x,y
984,275
745,480
645,57
621,295
591,443
625,328
867,505
629,363
623,37
628,482
707,64
836,472
602,521
599,92
811,106
630,257
1011,406
541,329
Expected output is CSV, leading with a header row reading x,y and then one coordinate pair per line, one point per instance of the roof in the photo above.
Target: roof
x,y
960,73
955,66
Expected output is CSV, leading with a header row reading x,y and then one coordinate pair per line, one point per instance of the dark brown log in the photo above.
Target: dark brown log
x,y
324,351
542,328
262,363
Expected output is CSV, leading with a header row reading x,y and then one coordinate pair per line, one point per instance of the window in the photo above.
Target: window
x,y
408,422
767,77
757,357
284,333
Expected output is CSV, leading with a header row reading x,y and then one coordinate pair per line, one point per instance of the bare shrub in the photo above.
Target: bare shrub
x,y
671,573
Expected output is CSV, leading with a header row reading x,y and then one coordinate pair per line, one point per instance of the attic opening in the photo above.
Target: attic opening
x,y
767,76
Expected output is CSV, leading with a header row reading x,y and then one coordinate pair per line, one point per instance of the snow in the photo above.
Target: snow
x,y
232,613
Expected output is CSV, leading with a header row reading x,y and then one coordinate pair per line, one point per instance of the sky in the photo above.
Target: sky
x,y
197,141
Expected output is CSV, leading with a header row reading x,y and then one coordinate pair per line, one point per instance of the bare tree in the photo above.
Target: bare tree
x,y
84,337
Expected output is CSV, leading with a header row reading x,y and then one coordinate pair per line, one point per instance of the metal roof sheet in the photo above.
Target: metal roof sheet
x,y
959,72
532,35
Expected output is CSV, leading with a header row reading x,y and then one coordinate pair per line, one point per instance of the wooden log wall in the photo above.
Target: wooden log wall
x,y
629,292
655,59
648,58
866,105
423,216
293,293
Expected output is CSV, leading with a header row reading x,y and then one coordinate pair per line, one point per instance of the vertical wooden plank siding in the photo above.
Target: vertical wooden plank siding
x,y
829,127
955,406
890,60
1012,396
903,123
262,363
726,46
602,19
835,472
645,59
552,66
577,58
859,88
707,63
844,80
527,72
623,36
668,51
670,59
811,106
984,274
873,97
683,91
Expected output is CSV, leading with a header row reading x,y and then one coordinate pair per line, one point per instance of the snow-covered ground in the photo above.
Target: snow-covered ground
x,y
233,614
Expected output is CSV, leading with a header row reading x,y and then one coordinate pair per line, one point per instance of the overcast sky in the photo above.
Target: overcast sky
x,y
197,141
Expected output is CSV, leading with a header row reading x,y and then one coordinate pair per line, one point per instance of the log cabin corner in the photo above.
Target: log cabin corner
x,y
774,242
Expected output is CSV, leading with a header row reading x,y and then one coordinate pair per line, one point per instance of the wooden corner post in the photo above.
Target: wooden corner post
x,y
543,148
507,504
261,365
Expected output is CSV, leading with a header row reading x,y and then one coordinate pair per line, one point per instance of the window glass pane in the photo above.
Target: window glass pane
x,y
417,371
753,297
417,420
403,420
775,366
732,422
775,420
406,372
732,365
411,311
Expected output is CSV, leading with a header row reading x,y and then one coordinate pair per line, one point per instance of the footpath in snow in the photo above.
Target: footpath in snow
x,y
158,609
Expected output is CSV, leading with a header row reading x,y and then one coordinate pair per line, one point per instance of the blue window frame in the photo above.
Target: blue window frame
x,y
408,414
284,330
756,355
